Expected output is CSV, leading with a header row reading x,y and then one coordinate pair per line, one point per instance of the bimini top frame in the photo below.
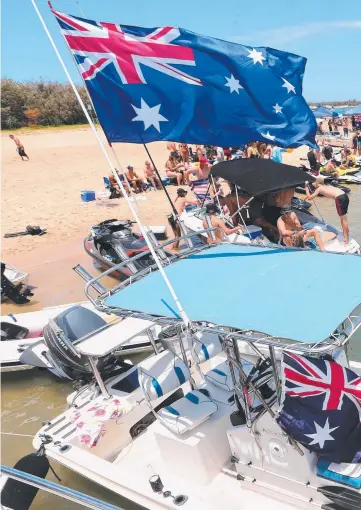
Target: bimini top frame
x,y
269,295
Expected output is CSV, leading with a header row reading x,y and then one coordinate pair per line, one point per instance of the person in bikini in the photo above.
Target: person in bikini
x,y
291,230
19,147
174,169
341,201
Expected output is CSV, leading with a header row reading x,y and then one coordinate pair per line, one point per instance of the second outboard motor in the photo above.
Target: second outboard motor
x,y
60,336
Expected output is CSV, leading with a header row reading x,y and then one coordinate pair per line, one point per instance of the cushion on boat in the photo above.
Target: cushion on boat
x,y
347,474
187,412
205,346
221,375
160,374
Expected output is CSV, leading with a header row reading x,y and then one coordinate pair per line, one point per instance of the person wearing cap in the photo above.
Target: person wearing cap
x,y
136,182
202,171
212,220
291,231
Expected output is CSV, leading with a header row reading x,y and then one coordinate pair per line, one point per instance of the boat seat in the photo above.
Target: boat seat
x,y
347,474
188,412
164,373
221,375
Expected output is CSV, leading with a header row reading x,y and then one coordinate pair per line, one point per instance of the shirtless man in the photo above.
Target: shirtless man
x,y
216,236
182,201
341,202
19,147
150,175
292,232
133,179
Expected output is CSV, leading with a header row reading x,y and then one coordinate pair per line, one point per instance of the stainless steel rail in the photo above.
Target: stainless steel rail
x,y
58,490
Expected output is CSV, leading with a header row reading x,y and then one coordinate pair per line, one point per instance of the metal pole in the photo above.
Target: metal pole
x,y
160,180
58,490
98,377
275,372
107,157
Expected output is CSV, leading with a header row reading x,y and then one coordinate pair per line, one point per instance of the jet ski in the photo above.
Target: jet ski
x,y
113,241
343,172
46,339
345,179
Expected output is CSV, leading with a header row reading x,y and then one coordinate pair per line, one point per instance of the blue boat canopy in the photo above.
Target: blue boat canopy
x,y
300,295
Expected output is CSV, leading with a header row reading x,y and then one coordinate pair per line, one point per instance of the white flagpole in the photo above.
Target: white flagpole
x,y
102,146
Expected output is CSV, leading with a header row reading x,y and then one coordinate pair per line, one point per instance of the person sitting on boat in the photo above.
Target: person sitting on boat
x,y
314,164
331,168
181,201
341,202
174,169
348,160
136,182
291,231
211,220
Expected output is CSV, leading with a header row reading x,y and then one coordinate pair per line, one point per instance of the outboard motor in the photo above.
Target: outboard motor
x,y
60,335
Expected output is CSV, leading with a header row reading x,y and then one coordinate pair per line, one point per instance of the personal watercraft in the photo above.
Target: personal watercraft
x,y
113,241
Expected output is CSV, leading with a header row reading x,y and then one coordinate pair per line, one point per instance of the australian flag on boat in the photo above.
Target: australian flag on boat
x,y
322,407
168,83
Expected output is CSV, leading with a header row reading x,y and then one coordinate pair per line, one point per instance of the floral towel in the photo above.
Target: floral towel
x,y
90,422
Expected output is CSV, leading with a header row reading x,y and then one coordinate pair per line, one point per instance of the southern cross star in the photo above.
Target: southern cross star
x,y
149,115
256,56
277,108
268,135
287,85
233,84
322,434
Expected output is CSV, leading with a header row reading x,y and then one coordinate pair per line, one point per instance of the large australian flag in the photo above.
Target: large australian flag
x,y
149,84
322,407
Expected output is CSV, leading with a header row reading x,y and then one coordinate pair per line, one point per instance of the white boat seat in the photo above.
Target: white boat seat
x,y
221,375
205,346
188,412
162,374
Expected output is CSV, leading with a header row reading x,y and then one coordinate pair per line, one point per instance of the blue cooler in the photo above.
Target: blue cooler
x,y
253,232
87,196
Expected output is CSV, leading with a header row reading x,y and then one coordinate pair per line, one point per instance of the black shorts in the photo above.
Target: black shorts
x,y
342,202
22,151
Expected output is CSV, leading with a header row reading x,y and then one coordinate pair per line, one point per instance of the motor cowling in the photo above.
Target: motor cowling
x,y
74,323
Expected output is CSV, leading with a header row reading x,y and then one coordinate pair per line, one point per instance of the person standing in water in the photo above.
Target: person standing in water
x,y
341,202
19,147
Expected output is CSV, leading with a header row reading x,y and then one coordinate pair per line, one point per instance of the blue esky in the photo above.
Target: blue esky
x,y
327,32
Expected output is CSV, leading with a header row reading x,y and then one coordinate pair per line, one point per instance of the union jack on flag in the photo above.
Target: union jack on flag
x,y
102,44
167,83
321,406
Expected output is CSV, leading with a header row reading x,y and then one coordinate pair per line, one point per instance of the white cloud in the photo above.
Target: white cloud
x,y
283,35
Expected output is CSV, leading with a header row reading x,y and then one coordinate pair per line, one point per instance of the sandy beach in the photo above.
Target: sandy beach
x,y
46,191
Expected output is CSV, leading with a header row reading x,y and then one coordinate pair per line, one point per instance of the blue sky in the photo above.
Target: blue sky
x,y
328,33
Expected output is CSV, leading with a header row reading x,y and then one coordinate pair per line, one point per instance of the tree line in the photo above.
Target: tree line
x,y
39,103
46,104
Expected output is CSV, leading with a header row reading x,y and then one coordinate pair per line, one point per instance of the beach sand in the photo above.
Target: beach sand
x,y
46,191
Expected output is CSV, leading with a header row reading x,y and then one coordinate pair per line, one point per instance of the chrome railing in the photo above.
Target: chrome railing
x,y
58,490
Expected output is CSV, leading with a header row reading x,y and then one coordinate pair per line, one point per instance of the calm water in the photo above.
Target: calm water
x,y
30,397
